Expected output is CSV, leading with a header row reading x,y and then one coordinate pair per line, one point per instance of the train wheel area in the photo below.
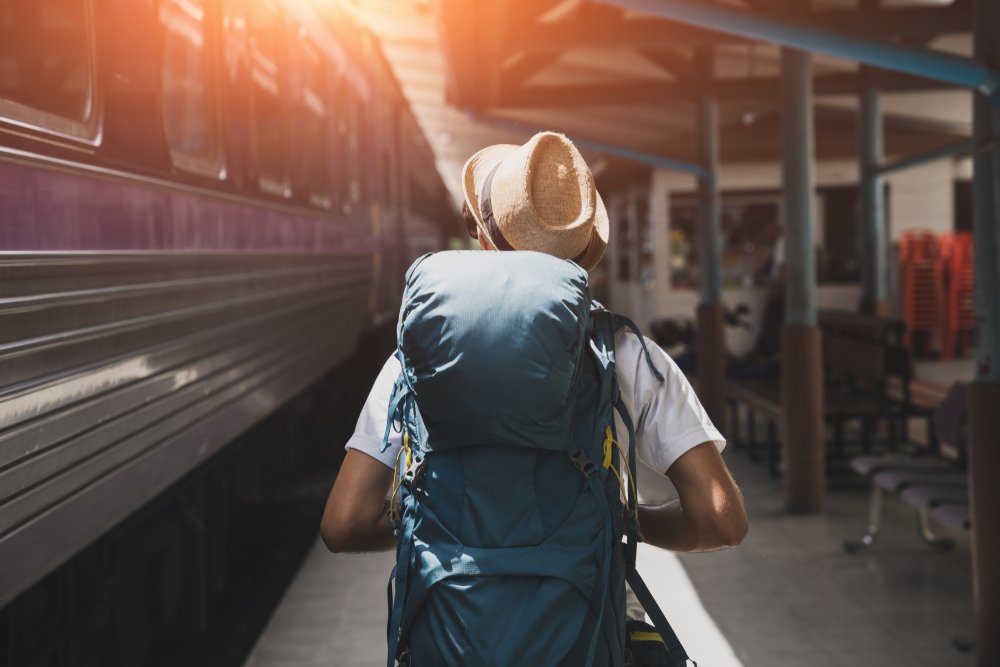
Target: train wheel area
x,y
191,578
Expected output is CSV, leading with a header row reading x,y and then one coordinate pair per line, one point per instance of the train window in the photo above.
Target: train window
x,y
354,146
47,66
341,143
189,105
315,130
269,119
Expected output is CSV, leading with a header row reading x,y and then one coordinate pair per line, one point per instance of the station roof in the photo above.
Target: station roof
x,y
471,69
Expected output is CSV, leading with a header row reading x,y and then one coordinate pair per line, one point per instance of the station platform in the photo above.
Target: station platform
x,y
787,596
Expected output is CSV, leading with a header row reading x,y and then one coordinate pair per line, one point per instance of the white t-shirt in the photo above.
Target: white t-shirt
x,y
668,417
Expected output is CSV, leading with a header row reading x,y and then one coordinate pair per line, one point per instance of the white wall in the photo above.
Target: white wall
x,y
919,198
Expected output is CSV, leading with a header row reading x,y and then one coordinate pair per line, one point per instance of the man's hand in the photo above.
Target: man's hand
x,y
355,518
709,513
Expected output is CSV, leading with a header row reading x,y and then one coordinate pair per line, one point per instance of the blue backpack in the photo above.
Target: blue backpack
x,y
508,502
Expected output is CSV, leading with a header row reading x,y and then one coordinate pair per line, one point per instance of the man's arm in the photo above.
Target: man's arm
x,y
709,513
355,518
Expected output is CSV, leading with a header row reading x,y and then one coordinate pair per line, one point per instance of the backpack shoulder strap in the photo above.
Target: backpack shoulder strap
x,y
622,322
675,650
633,536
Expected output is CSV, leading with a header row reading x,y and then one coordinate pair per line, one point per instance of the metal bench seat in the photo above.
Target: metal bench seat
x,y
897,480
953,515
929,497
869,464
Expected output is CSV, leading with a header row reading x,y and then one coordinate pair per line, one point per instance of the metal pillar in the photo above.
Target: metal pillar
x,y
984,395
874,270
711,328
801,346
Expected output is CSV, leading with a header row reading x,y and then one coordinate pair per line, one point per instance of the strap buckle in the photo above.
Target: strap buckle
x,y
414,472
583,464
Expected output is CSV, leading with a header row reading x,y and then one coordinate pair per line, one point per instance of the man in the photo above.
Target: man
x,y
541,197
674,435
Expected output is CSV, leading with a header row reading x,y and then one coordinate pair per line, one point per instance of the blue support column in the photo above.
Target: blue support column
x,y
711,327
984,394
874,270
801,346
797,146
709,251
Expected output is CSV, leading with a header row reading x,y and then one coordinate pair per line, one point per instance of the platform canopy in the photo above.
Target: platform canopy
x,y
473,69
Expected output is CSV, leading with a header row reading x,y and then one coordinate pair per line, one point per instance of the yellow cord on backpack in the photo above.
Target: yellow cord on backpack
x,y
398,478
394,494
609,440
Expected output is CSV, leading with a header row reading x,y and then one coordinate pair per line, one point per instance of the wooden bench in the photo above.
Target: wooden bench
x,y
860,355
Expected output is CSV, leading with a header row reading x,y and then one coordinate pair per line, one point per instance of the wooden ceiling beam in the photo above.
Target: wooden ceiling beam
x,y
673,62
652,91
527,65
603,32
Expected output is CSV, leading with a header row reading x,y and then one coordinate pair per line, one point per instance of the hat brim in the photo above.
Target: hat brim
x,y
478,167
474,174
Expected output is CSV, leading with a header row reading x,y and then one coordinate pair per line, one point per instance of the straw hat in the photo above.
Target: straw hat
x,y
540,196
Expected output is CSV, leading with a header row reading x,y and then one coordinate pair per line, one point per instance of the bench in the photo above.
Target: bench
x,y
860,355
934,482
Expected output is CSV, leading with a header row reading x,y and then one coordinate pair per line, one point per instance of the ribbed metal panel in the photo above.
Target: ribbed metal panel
x,y
121,372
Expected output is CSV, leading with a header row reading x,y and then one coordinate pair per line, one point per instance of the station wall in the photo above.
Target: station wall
x,y
917,198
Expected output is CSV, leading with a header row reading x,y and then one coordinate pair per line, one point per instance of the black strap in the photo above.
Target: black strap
x,y
675,650
486,209
623,322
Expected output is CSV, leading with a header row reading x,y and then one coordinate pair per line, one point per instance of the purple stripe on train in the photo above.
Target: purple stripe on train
x,y
42,209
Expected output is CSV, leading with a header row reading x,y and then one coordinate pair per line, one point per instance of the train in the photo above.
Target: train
x,y
205,205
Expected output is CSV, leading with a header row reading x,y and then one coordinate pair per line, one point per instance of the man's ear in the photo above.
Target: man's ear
x,y
484,243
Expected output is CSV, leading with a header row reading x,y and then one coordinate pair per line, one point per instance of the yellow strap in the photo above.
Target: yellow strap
x,y
406,448
394,494
646,637
631,479
608,441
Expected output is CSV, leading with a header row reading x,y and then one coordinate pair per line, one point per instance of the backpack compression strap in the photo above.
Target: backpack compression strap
x,y
632,535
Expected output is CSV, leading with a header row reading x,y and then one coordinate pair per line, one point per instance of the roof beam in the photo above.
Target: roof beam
x,y
652,91
921,62
672,62
601,32
585,33
526,66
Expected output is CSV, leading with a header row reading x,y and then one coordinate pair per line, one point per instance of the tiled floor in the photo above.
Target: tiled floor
x,y
787,596
790,596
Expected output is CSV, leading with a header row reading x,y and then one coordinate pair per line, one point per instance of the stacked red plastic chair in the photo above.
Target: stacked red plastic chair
x,y
959,319
922,286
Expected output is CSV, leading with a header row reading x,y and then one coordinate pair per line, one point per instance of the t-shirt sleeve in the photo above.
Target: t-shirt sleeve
x,y
669,419
368,433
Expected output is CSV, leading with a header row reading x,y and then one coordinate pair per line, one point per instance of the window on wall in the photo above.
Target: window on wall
x,y
189,106
315,130
47,66
750,228
623,228
645,263
269,129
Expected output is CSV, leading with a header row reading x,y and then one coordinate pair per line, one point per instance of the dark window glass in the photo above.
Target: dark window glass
x,y
750,231
47,65
189,111
315,131
270,135
354,166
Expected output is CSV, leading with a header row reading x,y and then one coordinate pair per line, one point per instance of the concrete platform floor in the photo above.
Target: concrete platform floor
x,y
787,596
